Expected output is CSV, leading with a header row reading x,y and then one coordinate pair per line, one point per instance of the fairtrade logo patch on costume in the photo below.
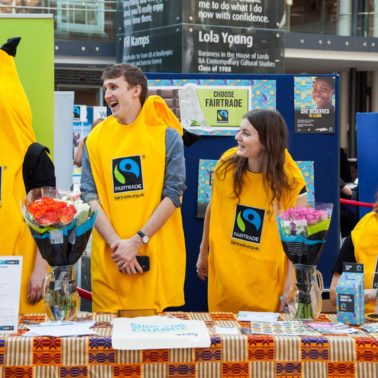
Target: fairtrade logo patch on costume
x,y
248,224
127,174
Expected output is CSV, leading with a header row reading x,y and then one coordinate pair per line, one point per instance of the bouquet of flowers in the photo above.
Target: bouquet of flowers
x,y
303,233
60,224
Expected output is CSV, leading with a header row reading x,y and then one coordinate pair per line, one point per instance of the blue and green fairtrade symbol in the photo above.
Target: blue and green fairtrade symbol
x,y
222,115
127,166
250,216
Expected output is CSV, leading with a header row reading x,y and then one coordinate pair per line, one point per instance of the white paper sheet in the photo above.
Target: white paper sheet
x,y
62,329
159,332
227,330
10,283
250,316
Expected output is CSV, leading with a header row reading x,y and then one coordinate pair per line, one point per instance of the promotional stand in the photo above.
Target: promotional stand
x,y
319,145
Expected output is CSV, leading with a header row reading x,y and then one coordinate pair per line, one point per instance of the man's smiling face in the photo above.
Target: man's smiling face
x,y
120,97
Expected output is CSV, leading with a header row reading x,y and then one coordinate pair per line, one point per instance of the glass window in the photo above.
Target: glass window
x,y
80,16
342,17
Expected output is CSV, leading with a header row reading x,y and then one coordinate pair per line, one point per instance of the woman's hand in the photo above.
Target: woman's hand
x,y
202,263
35,282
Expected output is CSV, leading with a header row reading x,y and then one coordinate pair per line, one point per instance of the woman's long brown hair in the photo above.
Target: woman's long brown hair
x,y
272,130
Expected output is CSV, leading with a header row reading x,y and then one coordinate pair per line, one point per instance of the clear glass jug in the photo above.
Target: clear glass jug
x,y
305,296
60,294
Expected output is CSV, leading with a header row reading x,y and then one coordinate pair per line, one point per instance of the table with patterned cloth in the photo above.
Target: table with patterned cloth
x,y
239,355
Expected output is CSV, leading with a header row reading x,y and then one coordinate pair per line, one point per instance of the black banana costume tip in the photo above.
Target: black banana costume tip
x,y
10,47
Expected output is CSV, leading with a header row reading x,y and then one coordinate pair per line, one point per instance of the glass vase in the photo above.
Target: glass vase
x,y
60,294
305,296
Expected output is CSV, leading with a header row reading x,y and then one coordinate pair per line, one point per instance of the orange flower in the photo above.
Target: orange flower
x,y
48,211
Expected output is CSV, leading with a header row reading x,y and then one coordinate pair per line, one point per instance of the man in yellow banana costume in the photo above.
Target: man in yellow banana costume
x,y
133,162
16,134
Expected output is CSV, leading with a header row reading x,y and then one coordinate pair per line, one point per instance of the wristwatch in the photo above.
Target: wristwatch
x,y
143,236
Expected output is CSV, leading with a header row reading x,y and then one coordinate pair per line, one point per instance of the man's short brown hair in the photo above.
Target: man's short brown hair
x,y
132,75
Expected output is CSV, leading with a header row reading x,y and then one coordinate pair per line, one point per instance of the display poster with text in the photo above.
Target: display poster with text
x,y
205,49
214,106
150,14
258,14
10,285
314,104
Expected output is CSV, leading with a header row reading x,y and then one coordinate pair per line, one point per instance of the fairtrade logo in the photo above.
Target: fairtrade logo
x,y
222,116
126,166
248,224
127,174
250,216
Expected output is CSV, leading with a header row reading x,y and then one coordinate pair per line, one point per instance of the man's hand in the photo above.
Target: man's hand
x,y
124,255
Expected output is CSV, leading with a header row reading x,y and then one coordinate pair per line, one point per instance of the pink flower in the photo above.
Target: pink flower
x,y
311,215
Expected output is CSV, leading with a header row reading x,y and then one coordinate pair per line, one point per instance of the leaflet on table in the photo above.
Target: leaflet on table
x,y
370,327
10,283
62,329
289,328
254,316
331,327
222,330
159,332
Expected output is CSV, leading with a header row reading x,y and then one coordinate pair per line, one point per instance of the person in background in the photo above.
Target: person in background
x,y
133,166
348,213
323,90
361,246
79,149
241,252
19,174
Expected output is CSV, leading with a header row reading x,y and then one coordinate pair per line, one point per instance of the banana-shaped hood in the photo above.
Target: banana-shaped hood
x,y
16,132
156,112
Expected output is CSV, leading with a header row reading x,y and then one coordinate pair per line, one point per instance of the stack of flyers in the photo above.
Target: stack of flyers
x,y
370,327
293,328
332,328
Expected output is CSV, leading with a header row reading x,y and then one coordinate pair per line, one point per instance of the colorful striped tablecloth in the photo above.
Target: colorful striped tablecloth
x,y
259,356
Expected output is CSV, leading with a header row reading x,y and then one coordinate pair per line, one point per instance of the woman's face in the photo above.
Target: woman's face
x,y
322,94
248,141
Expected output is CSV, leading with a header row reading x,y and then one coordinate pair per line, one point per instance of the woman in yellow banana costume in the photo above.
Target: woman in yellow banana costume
x,y
361,246
241,252
16,134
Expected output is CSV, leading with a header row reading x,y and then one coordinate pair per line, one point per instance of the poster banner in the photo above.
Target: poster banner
x,y
214,107
83,118
205,49
154,50
314,104
149,14
260,14
205,180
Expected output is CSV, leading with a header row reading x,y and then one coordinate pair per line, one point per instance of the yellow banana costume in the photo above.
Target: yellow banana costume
x,y
16,134
365,241
128,201
247,265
